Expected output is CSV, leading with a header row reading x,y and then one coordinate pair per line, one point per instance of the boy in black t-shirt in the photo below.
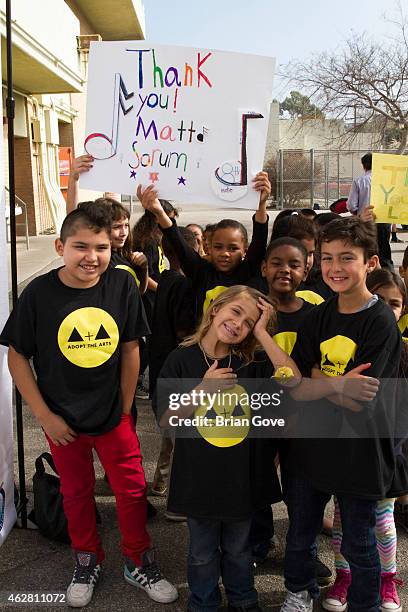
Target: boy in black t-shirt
x,y
232,261
81,325
346,335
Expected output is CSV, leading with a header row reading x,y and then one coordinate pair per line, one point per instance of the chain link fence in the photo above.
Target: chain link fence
x,y
301,178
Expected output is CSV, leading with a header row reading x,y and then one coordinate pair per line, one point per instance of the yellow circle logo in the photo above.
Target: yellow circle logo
x,y
88,337
227,417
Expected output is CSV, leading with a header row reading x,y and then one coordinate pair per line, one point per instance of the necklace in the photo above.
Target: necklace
x,y
206,357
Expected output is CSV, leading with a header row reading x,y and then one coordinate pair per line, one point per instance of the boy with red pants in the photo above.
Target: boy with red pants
x,y
81,325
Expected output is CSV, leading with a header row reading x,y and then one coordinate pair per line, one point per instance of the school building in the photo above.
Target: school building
x,y
50,46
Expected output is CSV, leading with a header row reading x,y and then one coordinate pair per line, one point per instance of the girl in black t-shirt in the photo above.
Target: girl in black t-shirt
x,y
220,475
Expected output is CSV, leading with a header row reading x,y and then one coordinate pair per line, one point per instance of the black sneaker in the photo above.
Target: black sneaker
x,y
323,573
401,515
142,392
86,575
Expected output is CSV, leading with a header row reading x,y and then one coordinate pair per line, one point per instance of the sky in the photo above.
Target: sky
x,y
289,30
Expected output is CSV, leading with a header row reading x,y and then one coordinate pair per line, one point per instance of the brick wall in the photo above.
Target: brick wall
x,y
24,183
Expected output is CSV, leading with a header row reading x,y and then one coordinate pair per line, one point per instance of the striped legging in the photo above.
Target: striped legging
x,y
384,530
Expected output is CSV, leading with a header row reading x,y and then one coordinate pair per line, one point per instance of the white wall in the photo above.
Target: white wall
x,y
51,23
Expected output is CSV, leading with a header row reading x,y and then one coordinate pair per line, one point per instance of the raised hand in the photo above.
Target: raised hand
x,y
81,164
262,184
148,199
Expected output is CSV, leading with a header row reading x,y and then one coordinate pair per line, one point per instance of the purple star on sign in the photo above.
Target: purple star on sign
x,y
133,174
181,180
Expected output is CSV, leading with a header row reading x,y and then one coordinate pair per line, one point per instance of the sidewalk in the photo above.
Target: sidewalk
x,y
33,261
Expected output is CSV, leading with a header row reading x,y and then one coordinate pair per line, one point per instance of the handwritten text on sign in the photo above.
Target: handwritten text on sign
x,y
389,188
193,122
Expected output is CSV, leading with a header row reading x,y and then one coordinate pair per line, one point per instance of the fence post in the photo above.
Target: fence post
x,y
326,179
338,174
312,177
280,174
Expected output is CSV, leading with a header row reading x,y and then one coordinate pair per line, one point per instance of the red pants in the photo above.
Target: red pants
x,y
119,453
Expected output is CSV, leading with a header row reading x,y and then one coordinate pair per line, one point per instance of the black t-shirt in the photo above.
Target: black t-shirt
x,y
173,316
156,265
364,465
288,326
117,261
226,478
74,337
208,282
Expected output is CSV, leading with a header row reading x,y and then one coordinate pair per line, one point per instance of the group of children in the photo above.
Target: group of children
x,y
308,317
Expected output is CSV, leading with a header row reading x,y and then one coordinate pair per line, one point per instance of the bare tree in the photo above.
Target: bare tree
x,y
365,85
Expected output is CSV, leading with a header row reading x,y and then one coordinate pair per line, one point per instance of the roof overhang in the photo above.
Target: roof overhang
x,y
35,68
115,19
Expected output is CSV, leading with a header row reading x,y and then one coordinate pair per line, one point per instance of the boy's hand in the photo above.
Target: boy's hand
x,y
361,388
266,313
149,200
81,164
217,378
139,259
261,183
367,214
57,429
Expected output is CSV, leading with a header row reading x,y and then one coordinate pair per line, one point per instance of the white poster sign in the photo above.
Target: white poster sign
x,y
7,510
193,122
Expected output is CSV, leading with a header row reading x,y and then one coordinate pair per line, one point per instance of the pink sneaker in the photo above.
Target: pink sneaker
x,y
390,602
336,596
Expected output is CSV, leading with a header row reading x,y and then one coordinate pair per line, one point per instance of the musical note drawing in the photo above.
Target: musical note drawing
x,y
99,140
243,172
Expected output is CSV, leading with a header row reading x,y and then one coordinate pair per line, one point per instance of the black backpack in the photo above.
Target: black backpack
x,y
48,512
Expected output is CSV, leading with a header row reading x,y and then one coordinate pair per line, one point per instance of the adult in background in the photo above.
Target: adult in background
x,y
359,201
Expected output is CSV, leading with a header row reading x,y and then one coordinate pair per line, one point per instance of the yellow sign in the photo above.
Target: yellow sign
x,y
389,188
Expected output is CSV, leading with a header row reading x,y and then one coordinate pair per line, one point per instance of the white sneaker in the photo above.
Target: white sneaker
x,y
149,578
297,602
86,575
